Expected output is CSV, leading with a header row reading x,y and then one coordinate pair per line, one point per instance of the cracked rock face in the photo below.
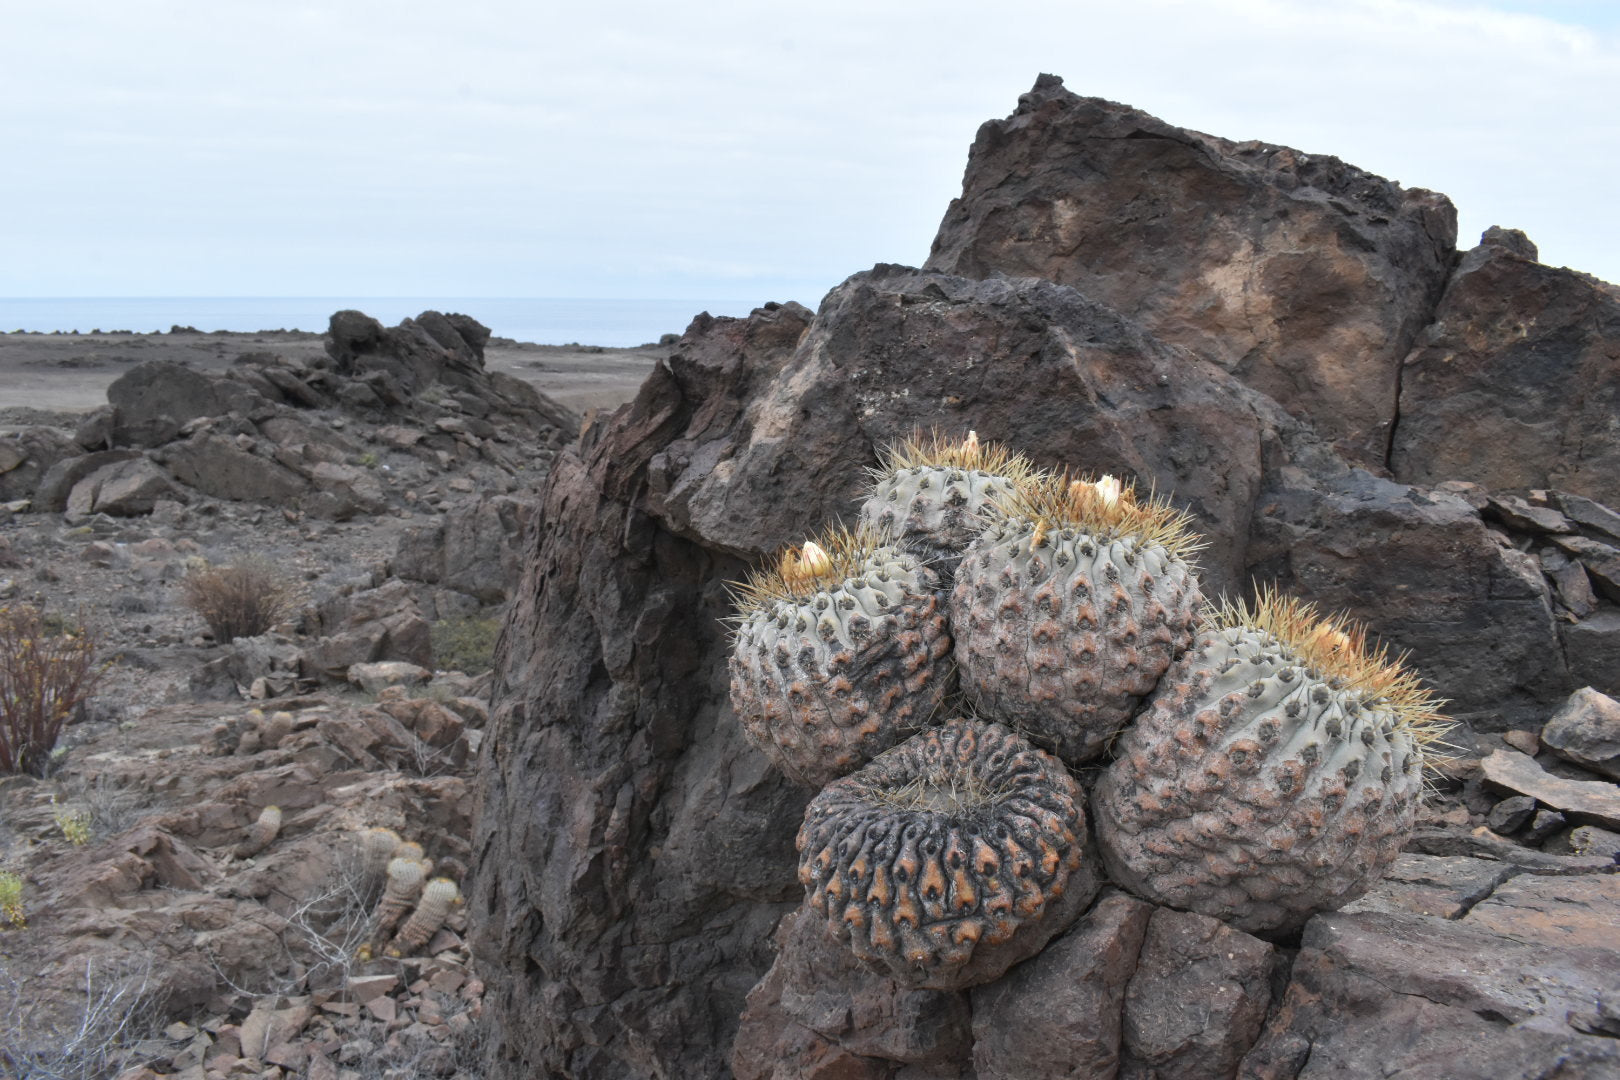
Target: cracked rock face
x,y
1304,276
949,858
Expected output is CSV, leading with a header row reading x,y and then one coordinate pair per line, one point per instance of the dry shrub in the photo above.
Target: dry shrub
x,y
243,600
47,670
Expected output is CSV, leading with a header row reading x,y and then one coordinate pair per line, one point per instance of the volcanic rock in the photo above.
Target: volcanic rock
x,y
1592,647
1383,994
1587,731
1306,277
1197,999
1516,381
1591,801
1059,1014
1425,573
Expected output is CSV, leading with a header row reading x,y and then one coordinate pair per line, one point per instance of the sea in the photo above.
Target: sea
x,y
545,321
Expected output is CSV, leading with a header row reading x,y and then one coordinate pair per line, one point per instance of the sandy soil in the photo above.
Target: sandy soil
x,y
54,373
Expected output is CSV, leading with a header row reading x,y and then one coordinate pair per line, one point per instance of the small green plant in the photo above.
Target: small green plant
x,y
243,600
466,645
47,670
11,906
75,824
368,459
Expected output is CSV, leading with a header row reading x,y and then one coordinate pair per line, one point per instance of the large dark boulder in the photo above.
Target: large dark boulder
x,y
1306,277
1516,384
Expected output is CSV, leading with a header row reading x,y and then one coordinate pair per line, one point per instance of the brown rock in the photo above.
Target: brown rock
x,y
1570,582
1305,276
63,476
1426,574
1588,514
1591,801
1525,742
1566,913
1515,382
1520,516
1197,1000
816,983
1602,563
215,465
1592,647
1587,840
1443,886
1587,731
1059,1013
1385,995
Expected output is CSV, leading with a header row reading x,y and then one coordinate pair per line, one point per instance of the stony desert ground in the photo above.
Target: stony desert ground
x,y
152,937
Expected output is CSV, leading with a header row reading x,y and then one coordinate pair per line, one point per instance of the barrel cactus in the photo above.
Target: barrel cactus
x,y
837,654
929,494
949,858
1068,609
1275,773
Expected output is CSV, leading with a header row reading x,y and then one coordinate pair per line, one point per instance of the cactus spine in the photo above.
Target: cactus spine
x,y
1275,773
1068,609
837,654
438,897
404,885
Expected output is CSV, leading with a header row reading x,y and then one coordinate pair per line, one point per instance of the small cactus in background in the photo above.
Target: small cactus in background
x,y
1068,609
260,833
929,495
405,877
950,858
438,897
837,654
377,846
1275,774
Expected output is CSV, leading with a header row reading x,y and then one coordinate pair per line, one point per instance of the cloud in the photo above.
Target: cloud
x,y
667,150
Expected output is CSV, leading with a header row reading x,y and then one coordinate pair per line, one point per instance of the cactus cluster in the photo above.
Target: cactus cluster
x,y
1266,763
261,833
411,901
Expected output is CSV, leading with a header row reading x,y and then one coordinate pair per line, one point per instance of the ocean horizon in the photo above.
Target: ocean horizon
x,y
616,323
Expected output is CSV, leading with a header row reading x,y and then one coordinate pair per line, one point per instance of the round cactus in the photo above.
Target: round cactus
x,y
950,858
1275,773
837,655
1068,609
929,495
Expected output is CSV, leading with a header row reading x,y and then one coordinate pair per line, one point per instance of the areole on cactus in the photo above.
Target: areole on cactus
x,y
1275,773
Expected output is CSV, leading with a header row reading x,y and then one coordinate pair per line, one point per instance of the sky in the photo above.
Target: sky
x,y
743,150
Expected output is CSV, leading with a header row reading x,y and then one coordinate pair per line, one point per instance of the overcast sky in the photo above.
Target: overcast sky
x,y
750,151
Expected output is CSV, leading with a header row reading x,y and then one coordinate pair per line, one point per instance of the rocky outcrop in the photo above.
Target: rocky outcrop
x,y
635,852
1306,277
1516,382
327,437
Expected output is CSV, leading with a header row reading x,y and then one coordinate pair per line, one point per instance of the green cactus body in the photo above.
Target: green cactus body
x,y
1060,631
1261,785
827,672
950,858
